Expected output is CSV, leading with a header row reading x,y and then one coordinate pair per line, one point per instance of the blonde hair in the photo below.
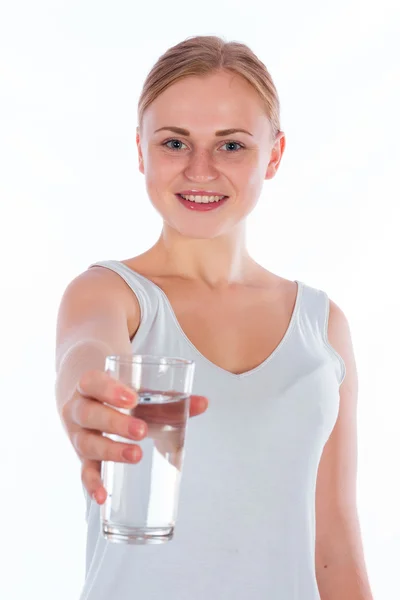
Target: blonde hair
x,y
205,55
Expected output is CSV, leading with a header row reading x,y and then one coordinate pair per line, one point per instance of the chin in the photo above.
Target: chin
x,y
195,226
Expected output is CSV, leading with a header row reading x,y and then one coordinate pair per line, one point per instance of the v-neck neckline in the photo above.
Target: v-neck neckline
x,y
204,358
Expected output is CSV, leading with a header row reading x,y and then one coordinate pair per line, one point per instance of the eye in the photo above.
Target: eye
x,y
175,141
233,144
175,145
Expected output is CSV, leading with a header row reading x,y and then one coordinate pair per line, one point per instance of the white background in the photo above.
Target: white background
x,y
70,77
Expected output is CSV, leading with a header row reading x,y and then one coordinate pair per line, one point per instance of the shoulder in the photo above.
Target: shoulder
x,y
338,326
101,284
340,338
337,331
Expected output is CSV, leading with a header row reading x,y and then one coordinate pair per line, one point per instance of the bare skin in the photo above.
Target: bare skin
x,y
200,258
266,299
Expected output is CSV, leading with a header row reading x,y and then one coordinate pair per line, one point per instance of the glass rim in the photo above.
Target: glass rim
x,y
150,359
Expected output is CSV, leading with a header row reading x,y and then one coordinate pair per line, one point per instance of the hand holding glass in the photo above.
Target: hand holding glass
x,y
142,501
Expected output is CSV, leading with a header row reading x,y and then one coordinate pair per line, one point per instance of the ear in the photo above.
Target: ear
x,y
140,154
276,155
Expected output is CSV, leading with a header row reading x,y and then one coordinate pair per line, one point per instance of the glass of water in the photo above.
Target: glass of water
x,y
142,498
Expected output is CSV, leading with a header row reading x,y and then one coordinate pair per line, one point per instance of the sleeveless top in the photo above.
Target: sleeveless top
x,y
245,528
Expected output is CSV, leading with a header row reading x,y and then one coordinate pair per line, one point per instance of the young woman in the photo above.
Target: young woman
x,y
268,497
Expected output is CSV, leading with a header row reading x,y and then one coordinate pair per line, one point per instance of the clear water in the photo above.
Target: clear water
x,y
142,501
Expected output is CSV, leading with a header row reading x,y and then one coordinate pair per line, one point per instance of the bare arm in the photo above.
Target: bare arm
x,y
92,324
340,565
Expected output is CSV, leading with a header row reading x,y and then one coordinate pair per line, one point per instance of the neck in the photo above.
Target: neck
x,y
216,263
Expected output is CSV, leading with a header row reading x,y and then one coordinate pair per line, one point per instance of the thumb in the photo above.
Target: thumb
x,y
198,404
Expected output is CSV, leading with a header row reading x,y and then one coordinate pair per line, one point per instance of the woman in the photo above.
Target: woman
x,y
268,497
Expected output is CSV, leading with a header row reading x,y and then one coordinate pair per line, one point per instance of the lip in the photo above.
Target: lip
x,y
200,193
200,207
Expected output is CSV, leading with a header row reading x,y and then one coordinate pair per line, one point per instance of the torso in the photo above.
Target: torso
x,y
236,329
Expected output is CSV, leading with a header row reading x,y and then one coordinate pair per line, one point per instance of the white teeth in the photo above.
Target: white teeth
x,y
202,199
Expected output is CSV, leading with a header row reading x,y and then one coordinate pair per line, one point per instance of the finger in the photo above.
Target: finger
x,y
96,416
98,385
91,479
92,445
198,404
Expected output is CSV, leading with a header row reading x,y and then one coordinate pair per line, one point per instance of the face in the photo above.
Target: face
x,y
183,148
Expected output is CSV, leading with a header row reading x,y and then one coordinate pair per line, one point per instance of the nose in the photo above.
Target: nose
x,y
200,167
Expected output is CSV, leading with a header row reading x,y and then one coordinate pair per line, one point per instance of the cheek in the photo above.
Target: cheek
x,y
258,171
254,177
160,176
249,175
161,168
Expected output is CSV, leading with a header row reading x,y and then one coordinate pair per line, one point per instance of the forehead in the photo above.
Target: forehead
x,y
219,101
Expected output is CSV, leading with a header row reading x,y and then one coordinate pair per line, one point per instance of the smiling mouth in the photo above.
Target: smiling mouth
x,y
203,204
204,199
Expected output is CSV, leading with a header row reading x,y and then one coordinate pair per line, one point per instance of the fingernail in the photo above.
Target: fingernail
x,y
141,429
136,429
131,454
127,397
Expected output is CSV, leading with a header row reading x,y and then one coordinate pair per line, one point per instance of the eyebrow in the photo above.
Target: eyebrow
x,y
221,132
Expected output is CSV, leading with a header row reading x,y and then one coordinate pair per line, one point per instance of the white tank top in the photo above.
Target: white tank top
x,y
246,519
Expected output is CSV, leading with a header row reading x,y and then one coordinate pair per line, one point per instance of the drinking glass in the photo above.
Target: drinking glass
x,y
142,498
